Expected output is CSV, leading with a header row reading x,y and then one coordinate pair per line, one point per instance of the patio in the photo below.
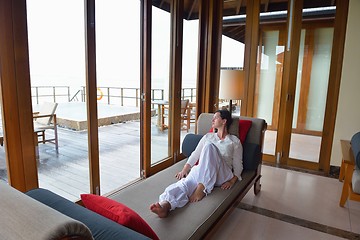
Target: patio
x,y
67,173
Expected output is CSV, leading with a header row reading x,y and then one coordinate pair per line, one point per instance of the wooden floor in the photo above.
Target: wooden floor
x,y
67,173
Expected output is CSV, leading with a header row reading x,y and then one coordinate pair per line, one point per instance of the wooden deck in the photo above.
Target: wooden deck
x,y
67,173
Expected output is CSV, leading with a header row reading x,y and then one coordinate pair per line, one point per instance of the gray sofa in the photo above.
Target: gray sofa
x,y
43,215
196,220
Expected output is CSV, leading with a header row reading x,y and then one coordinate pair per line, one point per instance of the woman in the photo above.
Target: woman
x,y
220,164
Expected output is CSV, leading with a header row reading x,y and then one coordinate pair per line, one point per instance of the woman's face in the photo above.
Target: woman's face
x,y
217,121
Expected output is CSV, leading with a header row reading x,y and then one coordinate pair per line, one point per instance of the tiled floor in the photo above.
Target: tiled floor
x,y
293,205
298,142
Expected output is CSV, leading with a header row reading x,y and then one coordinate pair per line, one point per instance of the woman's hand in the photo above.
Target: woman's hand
x,y
230,183
184,172
181,174
226,185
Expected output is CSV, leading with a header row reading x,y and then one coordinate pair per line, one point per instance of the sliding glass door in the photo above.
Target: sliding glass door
x,y
57,72
268,84
118,87
160,85
310,95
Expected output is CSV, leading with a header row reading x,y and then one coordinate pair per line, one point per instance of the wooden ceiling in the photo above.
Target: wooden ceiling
x,y
235,28
238,7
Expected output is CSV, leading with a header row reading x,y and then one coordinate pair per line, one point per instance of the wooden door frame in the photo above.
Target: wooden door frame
x,y
91,97
17,108
176,49
250,55
210,29
145,87
334,84
175,76
286,107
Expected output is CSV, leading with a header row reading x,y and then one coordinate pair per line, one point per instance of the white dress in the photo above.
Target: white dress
x,y
219,161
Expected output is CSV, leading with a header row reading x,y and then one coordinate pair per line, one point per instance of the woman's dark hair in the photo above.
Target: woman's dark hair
x,y
225,114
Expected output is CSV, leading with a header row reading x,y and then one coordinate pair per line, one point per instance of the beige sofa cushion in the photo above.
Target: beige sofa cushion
x,y
23,218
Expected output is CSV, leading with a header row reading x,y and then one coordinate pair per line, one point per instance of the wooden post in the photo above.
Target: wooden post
x,y
16,96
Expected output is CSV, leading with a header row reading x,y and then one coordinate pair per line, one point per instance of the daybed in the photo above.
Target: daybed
x,y
196,220
54,217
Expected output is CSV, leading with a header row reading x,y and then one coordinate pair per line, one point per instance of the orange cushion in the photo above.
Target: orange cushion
x,y
118,212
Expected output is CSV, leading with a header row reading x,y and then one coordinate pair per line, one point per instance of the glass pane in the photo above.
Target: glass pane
x,y
118,82
189,74
311,93
269,75
160,84
3,167
232,53
232,57
57,71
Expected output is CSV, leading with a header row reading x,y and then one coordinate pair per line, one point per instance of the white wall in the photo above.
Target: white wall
x,y
348,114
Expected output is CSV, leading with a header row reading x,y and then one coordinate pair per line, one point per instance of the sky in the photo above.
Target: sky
x,y
57,46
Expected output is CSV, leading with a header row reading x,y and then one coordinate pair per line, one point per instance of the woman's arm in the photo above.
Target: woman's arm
x,y
194,157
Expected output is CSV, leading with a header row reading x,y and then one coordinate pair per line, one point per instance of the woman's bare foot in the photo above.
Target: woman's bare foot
x,y
161,211
198,194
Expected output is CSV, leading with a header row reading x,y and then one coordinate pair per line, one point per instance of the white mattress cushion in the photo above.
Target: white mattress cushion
x,y
24,218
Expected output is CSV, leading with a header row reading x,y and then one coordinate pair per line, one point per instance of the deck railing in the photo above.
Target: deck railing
x,y
109,95
55,93
123,96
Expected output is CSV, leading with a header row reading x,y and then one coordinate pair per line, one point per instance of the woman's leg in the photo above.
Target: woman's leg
x,y
211,170
173,196
177,194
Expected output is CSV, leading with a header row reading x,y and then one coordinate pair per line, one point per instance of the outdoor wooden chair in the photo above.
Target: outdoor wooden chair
x,y
192,113
44,120
185,117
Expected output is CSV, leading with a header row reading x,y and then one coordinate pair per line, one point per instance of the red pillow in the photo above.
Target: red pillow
x,y
118,212
244,126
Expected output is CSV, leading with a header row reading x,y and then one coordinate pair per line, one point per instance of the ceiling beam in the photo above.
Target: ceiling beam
x,y
238,7
161,3
266,6
192,9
